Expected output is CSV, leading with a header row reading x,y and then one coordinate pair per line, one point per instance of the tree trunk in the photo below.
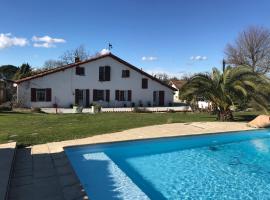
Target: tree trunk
x,y
225,115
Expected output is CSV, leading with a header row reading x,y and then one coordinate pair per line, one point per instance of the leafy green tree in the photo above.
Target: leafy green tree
x,y
8,71
25,70
224,89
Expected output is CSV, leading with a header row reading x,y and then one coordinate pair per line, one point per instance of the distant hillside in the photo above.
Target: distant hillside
x,y
8,71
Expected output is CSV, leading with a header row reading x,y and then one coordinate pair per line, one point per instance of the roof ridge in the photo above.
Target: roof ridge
x,y
90,60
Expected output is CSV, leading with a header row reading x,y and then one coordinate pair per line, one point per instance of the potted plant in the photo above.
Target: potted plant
x,y
96,108
77,108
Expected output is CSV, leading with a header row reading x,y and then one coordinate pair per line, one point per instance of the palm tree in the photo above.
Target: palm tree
x,y
223,90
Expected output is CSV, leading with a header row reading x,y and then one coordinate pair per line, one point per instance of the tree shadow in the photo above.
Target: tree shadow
x,y
245,118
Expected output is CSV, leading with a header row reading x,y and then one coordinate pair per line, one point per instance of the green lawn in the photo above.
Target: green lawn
x,y
35,128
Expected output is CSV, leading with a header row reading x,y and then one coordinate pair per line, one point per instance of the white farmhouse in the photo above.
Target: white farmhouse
x,y
105,79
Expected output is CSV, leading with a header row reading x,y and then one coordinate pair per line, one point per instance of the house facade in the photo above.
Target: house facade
x,y
106,80
177,84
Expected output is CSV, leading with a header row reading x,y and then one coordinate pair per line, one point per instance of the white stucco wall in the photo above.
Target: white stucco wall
x,y
64,83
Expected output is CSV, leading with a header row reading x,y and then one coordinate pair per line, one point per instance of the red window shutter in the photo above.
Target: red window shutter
x,y
117,95
87,98
107,73
94,95
144,83
77,70
77,96
129,95
48,94
154,96
33,95
101,73
107,95
122,95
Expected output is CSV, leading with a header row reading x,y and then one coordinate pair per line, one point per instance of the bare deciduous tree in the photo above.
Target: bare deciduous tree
x,y
69,56
162,76
252,48
50,64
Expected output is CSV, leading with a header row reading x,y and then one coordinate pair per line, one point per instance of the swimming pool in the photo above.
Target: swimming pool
x,y
232,165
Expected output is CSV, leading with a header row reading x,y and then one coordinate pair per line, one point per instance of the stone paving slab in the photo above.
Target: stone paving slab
x,y
7,152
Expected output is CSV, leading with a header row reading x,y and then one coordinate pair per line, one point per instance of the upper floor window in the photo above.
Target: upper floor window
x,y
80,71
125,73
144,83
105,73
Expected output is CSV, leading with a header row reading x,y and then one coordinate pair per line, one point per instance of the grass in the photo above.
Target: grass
x,y
37,128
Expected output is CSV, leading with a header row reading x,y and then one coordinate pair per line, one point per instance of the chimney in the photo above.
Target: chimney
x,y
77,59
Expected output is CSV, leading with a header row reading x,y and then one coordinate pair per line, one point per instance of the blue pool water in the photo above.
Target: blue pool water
x,y
216,166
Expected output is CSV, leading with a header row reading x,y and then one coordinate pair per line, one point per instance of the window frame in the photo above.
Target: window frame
x,y
80,71
123,95
104,73
40,91
144,83
105,95
125,73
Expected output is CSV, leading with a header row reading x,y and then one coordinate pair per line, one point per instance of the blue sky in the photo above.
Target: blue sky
x,y
166,33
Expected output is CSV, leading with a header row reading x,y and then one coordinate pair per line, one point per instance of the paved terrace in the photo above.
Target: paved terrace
x,y
43,171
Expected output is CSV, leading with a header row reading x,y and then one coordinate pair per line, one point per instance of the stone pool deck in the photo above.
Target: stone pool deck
x,y
43,171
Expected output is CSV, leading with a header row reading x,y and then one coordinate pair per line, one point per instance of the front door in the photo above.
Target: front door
x,y
82,97
158,98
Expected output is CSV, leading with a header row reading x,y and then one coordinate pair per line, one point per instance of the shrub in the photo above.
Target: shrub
x,y
97,107
5,108
141,110
171,111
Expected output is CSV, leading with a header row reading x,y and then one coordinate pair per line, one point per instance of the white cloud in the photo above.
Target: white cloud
x,y
46,41
198,58
7,40
104,51
149,58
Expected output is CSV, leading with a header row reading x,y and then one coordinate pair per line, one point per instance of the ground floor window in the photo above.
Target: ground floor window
x,y
123,95
41,94
101,95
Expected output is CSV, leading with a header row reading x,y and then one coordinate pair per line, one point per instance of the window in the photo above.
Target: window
x,y
105,73
101,95
123,95
41,95
144,83
80,71
125,73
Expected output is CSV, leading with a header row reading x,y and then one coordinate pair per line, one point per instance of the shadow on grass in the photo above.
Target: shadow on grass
x,y
245,118
13,112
